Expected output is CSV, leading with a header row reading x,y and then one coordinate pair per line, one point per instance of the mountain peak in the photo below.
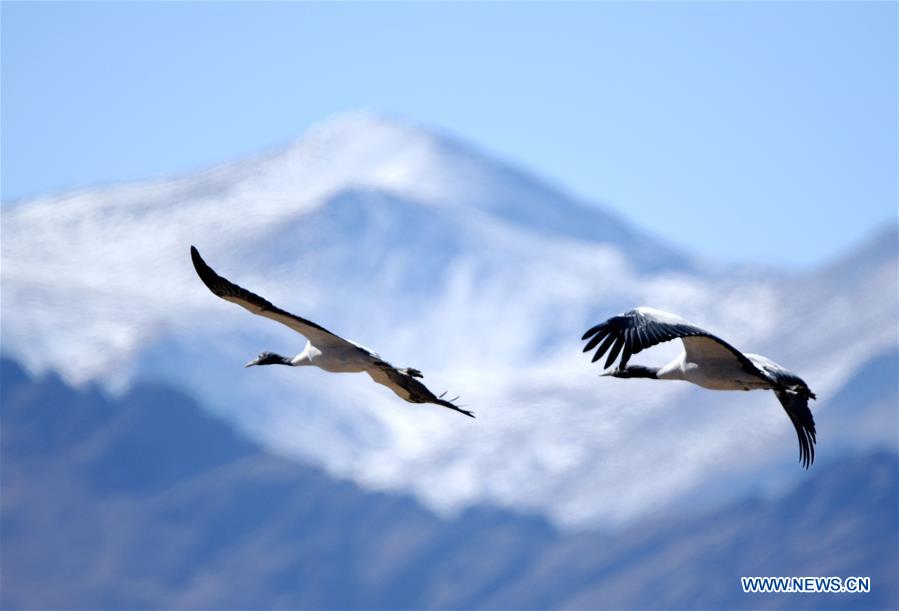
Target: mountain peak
x,y
365,150
352,151
353,123
373,150
383,152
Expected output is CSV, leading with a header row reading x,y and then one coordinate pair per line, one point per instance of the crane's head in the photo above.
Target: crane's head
x,y
269,358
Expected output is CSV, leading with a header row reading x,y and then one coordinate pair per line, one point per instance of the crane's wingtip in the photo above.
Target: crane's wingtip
x,y
206,273
590,332
199,264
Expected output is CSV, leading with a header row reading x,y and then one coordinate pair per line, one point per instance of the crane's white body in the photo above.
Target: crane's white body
x,y
336,358
712,372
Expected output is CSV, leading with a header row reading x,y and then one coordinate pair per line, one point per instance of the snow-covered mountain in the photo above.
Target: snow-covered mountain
x,y
470,270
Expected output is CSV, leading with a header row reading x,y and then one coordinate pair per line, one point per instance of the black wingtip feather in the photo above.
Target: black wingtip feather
x,y
593,330
601,335
206,273
616,349
603,347
796,406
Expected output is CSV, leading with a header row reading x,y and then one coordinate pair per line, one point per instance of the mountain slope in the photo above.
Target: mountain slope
x,y
473,272
204,519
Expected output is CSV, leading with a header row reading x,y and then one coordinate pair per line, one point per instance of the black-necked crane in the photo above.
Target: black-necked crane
x,y
323,348
707,360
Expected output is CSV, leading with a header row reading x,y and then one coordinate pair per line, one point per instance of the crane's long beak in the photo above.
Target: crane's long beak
x,y
608,373
251,363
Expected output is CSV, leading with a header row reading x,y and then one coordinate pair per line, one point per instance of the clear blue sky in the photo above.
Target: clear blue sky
x,y
761,132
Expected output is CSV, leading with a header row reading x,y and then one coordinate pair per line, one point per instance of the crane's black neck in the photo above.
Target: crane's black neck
x,y
637,371
270,358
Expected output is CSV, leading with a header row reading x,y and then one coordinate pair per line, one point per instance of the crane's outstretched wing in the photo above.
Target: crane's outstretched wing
x,y
796,406
631,332
404,384
227,290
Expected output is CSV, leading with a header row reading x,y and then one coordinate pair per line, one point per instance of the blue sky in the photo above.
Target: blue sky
x,y
753,132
